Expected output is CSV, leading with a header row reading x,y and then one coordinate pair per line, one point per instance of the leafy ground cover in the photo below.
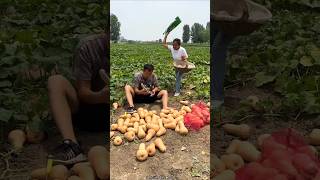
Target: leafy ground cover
x,y
126,59
283,58
38,38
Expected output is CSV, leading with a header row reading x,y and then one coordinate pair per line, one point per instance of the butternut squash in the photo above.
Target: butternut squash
x,y
130,135
150,134
182,129
17,138
186,103
242,130
98,158
171,125
232,161
151,149
226,175
314,137
84,171
117,141
142,153
248,151
141,133
217,165
155,127
114,127
261,139
162,130
160,145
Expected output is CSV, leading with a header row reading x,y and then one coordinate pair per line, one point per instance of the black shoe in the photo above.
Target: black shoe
x,y
131,110
68,153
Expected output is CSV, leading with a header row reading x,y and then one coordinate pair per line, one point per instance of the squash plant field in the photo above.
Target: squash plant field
x,y
38,38
282,59
127,59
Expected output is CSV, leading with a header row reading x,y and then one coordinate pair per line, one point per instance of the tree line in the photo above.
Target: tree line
x,y
196,34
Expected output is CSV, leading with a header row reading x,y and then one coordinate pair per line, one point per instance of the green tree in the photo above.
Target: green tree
x,y
208,26
114,28
186,33
196,31
205,34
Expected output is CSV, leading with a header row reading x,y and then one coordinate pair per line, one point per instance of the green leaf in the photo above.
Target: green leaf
x,y
25,36
10,49
5,83
5,114
312,103
315,54
8,60
262,78
306,61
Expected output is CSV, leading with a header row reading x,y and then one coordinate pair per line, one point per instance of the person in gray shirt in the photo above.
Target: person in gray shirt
x,y
145,89
82,101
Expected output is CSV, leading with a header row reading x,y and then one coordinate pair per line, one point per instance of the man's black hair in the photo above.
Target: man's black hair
x,y
148,67
177,40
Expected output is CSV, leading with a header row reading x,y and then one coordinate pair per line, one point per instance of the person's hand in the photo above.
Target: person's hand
x,y
144,92
183,58
153,92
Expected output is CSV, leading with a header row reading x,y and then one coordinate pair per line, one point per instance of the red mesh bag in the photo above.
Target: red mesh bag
x,y
199,116
287,152
193,122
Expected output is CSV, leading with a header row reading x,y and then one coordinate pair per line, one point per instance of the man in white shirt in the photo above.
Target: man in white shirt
x,y
178,53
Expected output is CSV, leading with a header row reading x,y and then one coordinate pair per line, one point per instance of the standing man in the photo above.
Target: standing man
x,y
145,89
82,102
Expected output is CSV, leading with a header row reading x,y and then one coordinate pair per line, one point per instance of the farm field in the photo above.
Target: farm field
x,y
127,59
187,157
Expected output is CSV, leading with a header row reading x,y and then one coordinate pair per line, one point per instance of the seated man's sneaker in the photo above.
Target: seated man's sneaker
x,y
67,153
131,110
176,94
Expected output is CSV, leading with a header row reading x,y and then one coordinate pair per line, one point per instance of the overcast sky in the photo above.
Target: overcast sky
x,y
148,19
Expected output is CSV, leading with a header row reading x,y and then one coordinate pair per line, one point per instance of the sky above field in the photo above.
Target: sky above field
x,y
148,19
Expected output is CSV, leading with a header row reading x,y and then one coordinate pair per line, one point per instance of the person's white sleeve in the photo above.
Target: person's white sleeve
x,y
170,47
184,52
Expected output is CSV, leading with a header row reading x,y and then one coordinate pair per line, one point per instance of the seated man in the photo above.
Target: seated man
x,y
84,102
145,89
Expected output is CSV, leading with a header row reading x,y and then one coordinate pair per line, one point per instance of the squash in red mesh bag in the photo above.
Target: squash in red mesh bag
x,y
288,153
281,160
305,165
206,116
196,110
193,122
255,171
198,117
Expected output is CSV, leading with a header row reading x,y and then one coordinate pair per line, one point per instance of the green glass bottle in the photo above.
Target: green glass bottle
x,y
173,25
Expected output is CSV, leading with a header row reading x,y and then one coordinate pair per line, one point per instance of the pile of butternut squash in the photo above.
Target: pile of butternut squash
x,y
18,137
97,167
241,152
148,125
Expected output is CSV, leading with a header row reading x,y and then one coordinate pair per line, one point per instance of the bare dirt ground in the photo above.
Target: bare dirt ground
x,y
187,157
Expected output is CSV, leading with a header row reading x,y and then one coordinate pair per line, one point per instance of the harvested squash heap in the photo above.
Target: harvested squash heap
x,y
148,127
